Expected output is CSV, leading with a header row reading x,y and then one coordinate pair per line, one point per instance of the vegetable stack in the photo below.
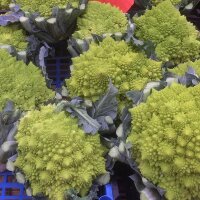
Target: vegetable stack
x,y
131,96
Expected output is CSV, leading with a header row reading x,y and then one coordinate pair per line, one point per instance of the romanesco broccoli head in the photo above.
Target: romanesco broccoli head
x,y
110,60
13,35
56,155
166,140
175,38
100,18
22,84
44,8
182,68
4,4
174,2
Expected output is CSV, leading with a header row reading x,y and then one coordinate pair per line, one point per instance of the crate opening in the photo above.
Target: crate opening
x,y
12,191
1,178
10,179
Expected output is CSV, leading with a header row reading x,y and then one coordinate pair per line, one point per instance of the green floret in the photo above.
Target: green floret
x,y
4,4
100,18
166,140
174,2
44,7
60,157
110,60
13,35
175,38
182,68
22,84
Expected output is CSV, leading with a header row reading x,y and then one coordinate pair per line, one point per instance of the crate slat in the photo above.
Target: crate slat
x,y
10,189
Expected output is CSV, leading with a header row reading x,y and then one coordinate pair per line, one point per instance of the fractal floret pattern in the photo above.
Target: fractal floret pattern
x,y
175,39
166,140
45,7
101,18
13,35
110,60
60,157
22,84
182,68
4,4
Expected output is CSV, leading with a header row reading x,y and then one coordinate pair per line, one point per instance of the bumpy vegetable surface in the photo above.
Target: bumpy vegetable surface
x,y
110,60
174,37
182,68
13,35
166,140
22,84
44,7
59,157
99,19
4,4
174,2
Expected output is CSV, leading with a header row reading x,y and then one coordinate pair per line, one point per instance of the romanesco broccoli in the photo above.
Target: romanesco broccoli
x,y
22,84
13,35
60,157
174,2
100,18
44,7
182,68
4,4
110,60
166,140
175,38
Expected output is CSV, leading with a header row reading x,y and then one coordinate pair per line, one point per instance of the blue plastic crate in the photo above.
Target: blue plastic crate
x,y
10,189
58,69
108,193
120,188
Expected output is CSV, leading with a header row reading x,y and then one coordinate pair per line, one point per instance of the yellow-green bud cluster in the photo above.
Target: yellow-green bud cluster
x,y
110,60
56,155
174,2
166,140
182,68
100,18
174,37
22,84
13,35
4,4
44,7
